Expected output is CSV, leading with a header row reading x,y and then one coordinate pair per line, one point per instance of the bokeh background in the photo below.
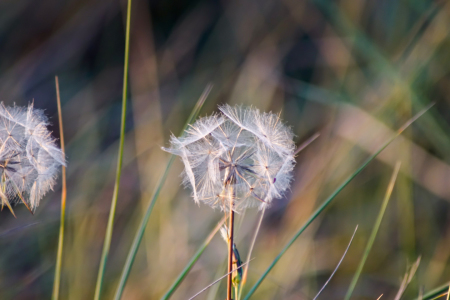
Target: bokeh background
x,y
353,71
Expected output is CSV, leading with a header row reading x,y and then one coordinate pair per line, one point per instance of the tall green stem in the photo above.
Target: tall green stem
x,y
140,232
57,280
109,229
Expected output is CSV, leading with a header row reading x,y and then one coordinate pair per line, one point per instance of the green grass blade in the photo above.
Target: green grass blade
x,y
112,212
193,260
437,292
330,198
374,232
140,232
57,280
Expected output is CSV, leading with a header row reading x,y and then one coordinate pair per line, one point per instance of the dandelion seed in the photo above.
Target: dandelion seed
x,y
242,155
29,157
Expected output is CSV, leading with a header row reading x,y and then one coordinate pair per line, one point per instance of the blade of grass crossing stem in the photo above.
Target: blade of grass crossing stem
x,y
374,232
109,228
140,232
57,280
191,263
212,284
330,198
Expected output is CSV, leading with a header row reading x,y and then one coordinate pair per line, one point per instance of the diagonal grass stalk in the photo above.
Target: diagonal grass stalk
x,y
339,263
112,212
57,280
216,281
140,232
193,260
374,232
330,198
244,277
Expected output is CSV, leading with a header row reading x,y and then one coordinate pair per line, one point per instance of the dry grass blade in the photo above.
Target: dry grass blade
x,y
407,279
306,143
337,267
207,287
57,280
244,277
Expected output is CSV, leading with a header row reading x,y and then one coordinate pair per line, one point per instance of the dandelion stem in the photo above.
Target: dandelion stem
x,y
57,280
230,244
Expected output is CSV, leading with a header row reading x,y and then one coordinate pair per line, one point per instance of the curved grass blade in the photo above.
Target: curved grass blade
x,y
57,280
330,198
337,267
112,212
374,232
193,260
140,232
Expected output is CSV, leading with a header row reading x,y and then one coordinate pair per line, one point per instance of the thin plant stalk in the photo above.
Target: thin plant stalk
x,y
245,273
212,295
244,276
140,232
216,281
331,197
112,212
337,267
191,263
57,280
374,232
230,244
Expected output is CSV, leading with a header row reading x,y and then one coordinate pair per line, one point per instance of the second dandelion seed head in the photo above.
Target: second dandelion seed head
x,y
239,158
29,156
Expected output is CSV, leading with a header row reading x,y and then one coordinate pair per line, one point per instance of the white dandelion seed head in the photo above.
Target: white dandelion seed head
x,y
241,156
29,156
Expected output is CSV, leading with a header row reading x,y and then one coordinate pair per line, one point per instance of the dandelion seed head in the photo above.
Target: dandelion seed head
x,y
242,155
29,156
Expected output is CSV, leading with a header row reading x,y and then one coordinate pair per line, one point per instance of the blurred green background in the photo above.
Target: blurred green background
x,y
354,71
